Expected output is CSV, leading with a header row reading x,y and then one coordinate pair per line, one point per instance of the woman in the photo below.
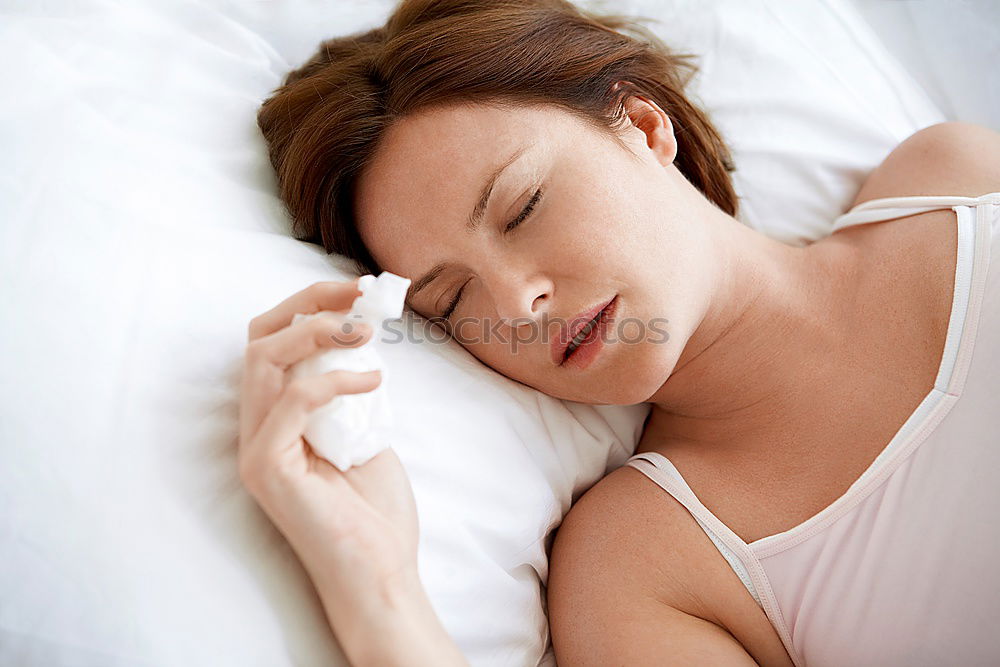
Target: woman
x,y
811,485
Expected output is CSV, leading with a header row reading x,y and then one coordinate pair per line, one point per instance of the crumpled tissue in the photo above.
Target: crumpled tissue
x,y
352,428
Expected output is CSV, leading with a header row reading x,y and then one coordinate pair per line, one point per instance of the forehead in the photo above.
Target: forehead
x,y
426,175
435,154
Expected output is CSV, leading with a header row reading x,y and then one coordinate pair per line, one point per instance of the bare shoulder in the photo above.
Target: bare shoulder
x,y
634,580
944,159
960,159
624,512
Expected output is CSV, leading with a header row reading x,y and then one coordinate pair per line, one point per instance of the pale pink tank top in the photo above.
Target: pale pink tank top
x,y
904,568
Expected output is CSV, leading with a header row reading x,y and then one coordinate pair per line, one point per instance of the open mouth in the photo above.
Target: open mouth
x,y
590,332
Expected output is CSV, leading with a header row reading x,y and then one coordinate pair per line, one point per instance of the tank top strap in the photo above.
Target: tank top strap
x,y
888,208
659,469
737,553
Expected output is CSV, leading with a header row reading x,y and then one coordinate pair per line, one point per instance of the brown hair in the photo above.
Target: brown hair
x,y
324,123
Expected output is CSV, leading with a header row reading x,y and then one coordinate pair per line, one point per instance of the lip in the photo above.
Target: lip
x,y
570,329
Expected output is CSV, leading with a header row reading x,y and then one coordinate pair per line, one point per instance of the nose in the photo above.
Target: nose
x,y
521,300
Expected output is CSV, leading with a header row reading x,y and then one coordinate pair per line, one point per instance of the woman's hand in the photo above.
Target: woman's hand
x,y
355,532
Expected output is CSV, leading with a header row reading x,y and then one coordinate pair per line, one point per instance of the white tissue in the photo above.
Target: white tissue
x,y
352,428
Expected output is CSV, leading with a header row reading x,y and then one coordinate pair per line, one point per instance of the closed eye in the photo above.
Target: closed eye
x,y
525,212
521,217
454,303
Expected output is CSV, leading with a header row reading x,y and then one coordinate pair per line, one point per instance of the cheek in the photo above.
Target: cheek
x,y
608,248
575,234
502,357
607,217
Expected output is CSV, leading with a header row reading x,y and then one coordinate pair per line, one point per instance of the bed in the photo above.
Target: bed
x,y
140,231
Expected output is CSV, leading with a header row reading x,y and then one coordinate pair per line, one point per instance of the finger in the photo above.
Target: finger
x,y
327,295
284,424
267,359
300,340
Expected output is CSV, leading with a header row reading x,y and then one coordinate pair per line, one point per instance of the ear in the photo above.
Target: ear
x,y
645,115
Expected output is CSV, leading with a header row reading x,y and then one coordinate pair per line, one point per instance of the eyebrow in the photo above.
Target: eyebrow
x,y
473,223
484,197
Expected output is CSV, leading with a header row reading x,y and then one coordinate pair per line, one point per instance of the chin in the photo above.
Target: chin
x,y
627,383
638,392
642,377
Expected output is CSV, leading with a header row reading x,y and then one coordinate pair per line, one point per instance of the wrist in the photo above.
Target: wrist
x,y
391,623
406,630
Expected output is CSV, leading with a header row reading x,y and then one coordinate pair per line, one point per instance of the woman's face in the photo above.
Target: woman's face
x,y
573,220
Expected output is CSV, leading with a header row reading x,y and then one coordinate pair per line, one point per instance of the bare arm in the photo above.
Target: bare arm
x,y
630,631
634,580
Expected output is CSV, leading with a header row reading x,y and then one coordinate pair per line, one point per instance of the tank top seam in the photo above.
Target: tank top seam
x,y
926,425
963,298
982,260
762,593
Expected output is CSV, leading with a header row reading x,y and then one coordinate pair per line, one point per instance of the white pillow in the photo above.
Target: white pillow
x,y
950,48
806,96
141,232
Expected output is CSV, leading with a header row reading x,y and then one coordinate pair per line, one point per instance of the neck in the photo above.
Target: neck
x,y
769,343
